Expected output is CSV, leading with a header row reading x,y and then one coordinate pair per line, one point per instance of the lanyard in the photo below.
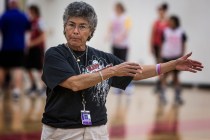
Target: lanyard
x,y
86,52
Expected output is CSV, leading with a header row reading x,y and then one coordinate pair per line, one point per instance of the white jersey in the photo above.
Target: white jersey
x,y
120,24
173,43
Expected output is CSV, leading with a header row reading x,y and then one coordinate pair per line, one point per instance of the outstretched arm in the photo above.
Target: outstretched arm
x,y
182,64
84,81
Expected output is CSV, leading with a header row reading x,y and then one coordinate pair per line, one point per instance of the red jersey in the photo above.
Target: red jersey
x,y
159,27
37,30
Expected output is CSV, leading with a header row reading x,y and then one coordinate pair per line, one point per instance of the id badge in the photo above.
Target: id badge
x,y
85,117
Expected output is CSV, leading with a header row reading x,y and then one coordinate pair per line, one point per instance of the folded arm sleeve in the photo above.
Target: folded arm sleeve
x,y
56,68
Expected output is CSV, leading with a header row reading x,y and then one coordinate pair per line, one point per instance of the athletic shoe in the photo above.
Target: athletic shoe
x,y
31,92
42,92
15,96
179,101
162,97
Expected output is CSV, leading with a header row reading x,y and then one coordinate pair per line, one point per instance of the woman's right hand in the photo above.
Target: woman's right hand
x,y
126,69
185,64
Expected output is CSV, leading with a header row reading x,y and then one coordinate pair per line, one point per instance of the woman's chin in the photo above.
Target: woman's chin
x,y
75,44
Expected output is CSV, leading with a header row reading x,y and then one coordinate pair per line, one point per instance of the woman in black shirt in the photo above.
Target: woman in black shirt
x,y
78,78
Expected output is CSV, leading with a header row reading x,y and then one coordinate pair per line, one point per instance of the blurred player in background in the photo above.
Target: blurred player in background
x,y
13,26
35,51
174,40
159,25
119,34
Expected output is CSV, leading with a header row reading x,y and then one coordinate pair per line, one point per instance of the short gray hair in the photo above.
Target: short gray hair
x,y
84,10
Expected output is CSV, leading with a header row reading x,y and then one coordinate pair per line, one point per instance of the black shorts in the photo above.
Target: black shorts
x,y
164,60
11,59
34,58
120,52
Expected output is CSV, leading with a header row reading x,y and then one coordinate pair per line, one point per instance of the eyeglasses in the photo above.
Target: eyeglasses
x,y
81,28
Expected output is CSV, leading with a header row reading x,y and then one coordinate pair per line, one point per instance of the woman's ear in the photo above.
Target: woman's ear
x,y
90,34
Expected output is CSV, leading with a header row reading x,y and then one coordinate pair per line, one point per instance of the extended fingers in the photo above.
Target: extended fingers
x,y
135,66
197,68
130,69
195,62
128,72
196,65
191,70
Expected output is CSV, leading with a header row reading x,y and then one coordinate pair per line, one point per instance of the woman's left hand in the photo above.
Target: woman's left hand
x,y
186,64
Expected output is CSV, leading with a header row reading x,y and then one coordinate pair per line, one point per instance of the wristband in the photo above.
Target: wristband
x,y
158,69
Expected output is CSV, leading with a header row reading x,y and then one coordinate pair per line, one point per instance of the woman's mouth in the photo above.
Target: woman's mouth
x,y
75,38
